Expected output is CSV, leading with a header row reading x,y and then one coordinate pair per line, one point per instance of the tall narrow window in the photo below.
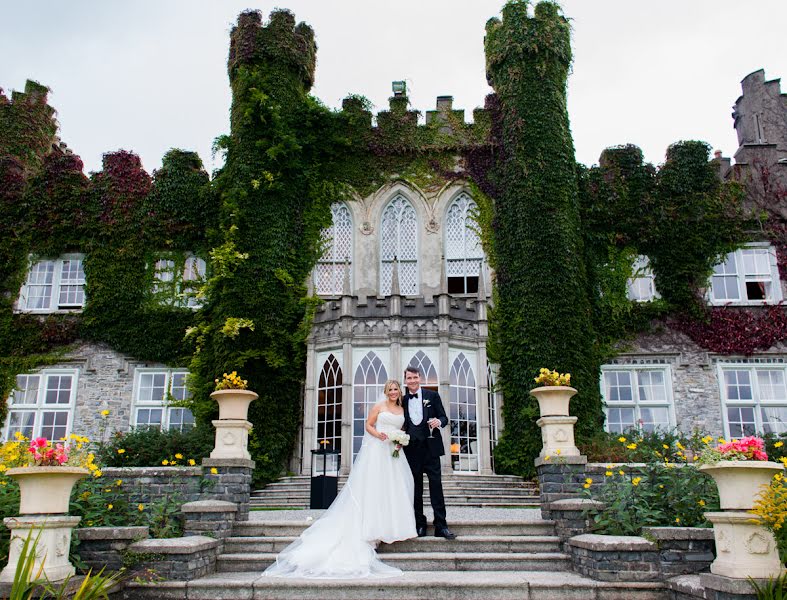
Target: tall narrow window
x,y
399,241
329,405
493,396
42,404
428,373
464,424
338,243
463,253
368,385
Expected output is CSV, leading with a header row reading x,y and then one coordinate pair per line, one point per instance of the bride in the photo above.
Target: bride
x,y
375,505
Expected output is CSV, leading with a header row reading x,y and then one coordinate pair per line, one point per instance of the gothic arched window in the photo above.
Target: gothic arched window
x,y
399,241
428,373
463,252
368,385
338,242
464,424
329,405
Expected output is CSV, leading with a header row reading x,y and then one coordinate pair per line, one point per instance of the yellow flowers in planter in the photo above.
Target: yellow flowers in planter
x,y
547,377
231,381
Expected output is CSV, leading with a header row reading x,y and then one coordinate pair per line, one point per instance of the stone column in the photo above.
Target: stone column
x,y
230,479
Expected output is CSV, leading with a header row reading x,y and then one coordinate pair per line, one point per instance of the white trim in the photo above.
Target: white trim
x,y
756,402
636,403
386,285
740,277
54,294
641,271
136,403
40,407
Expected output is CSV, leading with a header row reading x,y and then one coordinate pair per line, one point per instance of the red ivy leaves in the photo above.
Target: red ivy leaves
x,y
733,330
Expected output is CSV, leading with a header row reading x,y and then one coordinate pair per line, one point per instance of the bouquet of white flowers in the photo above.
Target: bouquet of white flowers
x,y
399,439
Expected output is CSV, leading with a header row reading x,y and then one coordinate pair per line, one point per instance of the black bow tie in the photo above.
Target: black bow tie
x,y
414,396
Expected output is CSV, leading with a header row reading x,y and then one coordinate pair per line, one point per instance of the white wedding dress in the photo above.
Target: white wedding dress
x,y
375,505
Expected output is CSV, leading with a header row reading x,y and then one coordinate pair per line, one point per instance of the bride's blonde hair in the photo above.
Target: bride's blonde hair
x,y
387,387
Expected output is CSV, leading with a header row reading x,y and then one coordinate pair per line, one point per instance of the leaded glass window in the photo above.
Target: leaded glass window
x,y
428,373
464,424
329,405
399,242
368,385
338,243
463,253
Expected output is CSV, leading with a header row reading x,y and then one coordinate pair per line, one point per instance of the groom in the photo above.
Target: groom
x,y
423,417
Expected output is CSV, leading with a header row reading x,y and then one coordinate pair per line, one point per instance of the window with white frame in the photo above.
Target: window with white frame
x,y
637,397
463,253
154,392
754,398
177,280
747,276
54,284
42,404
641,286
338,252
399,243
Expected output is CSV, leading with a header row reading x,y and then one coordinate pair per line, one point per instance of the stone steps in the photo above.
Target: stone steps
x,y
466,543
414,585
448,560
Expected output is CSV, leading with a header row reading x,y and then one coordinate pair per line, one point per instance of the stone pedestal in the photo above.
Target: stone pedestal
x,y
557,437
743,547
232,439
53,533
230,482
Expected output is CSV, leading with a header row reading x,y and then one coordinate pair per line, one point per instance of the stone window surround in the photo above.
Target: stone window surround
x,y
40,407
737,255
651,364
54,305
752,365
166,410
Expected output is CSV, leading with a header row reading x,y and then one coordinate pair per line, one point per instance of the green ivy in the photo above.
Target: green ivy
x,y
542,313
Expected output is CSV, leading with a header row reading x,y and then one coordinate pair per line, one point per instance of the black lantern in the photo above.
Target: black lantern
x,y
325,477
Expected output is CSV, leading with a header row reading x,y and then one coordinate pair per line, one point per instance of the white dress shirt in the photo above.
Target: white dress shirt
x,y
415,408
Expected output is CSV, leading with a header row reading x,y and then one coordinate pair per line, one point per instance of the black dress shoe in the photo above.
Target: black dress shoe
x,y
445,533
421,531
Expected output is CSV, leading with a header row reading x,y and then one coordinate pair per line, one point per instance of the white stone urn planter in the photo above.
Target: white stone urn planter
x,y
234,404
553,399
45,490
740,481
744,548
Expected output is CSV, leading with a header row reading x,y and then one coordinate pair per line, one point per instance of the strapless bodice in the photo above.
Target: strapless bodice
x,y
387,422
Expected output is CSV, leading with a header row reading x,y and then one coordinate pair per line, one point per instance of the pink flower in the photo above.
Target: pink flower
x,y
39,442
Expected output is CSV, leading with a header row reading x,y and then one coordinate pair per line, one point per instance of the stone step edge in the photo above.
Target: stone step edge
x,y
469,538
409,556
454,522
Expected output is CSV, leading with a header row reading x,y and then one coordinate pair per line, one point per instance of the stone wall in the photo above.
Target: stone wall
x,y
147,485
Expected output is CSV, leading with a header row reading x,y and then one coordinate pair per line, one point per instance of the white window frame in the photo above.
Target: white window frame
x,y
39,407
756,402
180,281
742,277
140,404
636,404
642,277
385,275
462,262
57,283
331,258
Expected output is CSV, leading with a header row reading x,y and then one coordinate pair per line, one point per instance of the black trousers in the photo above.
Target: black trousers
x,y
421,461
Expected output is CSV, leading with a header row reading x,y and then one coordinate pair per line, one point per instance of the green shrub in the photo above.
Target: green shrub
x,y
150,447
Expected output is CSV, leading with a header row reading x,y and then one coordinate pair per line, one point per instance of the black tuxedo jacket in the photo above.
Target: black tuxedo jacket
x,y
433,408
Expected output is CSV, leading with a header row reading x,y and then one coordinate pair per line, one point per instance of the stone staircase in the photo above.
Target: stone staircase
x,y
493,558
483,491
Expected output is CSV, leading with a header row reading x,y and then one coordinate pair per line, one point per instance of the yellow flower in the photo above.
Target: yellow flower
x,y
140,507
707,439
18,435
622,440
588,480
179,456
778,444
105,413
661,486
621,472
165,462
121,450
680,446
109,507
214,471
609,473
3,468
677,519
701,502
557,451
636,481
97,473
632,446
722,441
119,482
547,457
192,462
665,446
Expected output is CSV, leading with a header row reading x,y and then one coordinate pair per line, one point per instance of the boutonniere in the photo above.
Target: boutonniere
x,y
426,402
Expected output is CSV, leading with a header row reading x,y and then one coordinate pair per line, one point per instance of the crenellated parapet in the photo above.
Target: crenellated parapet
x,y
27,125
280,46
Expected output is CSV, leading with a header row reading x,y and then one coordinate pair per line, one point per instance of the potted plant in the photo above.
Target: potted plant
x,y
46,472
233,397
553,393
740,468
744,546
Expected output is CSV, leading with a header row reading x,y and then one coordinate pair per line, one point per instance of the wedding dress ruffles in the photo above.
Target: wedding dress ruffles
x,y
375,505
